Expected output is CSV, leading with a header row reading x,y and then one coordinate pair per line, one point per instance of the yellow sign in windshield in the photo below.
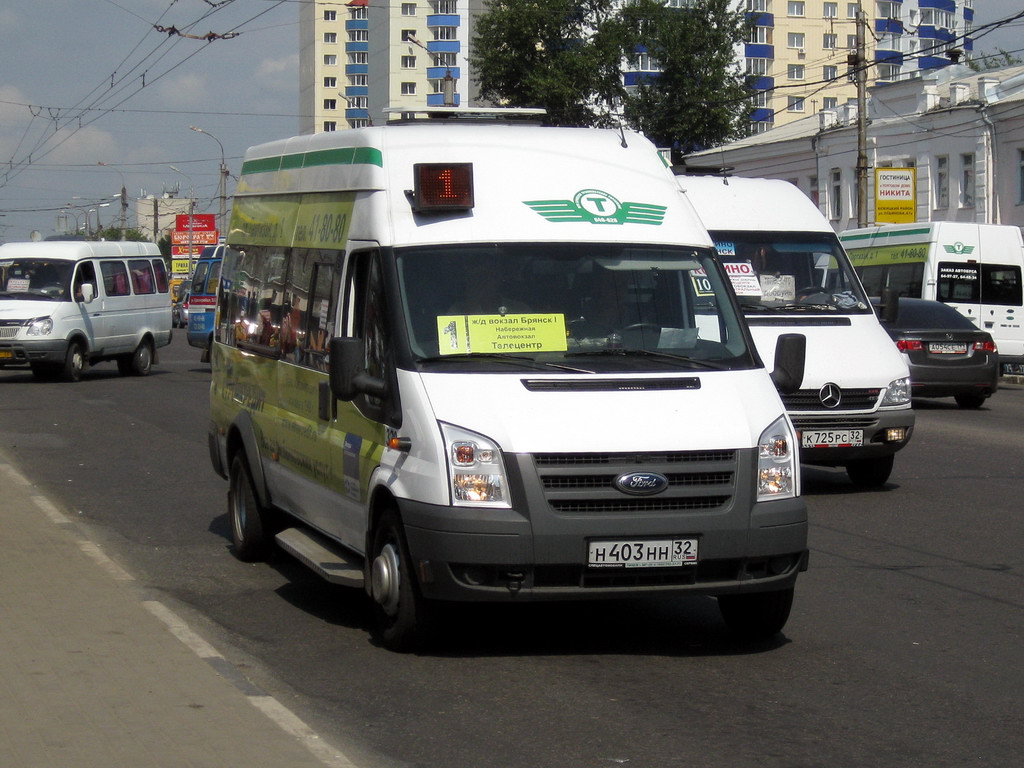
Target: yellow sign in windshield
x,y
511,334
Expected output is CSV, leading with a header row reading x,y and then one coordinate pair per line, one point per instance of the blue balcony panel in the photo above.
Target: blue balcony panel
x,y
639,78
356,114
942,5
932,62
360,47
443,20
761,19
444,46
758,51
357,24
763,115
968,14
357,90
763,83
437,73
437,99
889,25
883,56
357,69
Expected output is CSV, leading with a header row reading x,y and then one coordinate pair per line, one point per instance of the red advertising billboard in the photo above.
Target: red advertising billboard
x,y
201,222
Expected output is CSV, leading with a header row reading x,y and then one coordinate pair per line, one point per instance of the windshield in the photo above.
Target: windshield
x,y
578,306
790,272
35,279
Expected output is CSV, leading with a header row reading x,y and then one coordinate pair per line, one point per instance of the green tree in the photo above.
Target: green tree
x,y
700,98
569,58
114,233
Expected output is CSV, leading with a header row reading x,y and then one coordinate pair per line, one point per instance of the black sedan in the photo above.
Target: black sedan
x,y
947,354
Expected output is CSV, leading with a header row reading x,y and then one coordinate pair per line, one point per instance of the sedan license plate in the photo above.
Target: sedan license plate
x,y
658,553
6,354
947,349
831,438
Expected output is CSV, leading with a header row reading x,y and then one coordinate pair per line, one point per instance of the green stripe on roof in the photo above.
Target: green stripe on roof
x,y
341,156
895,233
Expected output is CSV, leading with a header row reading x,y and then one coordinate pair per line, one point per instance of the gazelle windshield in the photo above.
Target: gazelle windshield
x,y
592,307
790,272
35,279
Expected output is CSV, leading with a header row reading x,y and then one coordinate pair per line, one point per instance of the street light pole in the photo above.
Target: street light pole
x,y
124,199
222,187
191,213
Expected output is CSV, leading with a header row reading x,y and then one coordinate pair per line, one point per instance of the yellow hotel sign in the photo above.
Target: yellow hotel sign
x,y
895,195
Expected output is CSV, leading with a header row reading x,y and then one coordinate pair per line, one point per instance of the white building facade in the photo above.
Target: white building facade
x,y
962,131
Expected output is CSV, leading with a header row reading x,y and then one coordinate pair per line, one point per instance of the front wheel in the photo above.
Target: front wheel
x,y
250,521
870,473
400,611
74,362
756,616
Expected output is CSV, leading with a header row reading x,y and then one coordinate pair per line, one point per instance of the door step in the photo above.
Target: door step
x,y
325,557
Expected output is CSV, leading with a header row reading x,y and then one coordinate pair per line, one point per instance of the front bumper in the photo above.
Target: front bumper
x,y
27,352
877,439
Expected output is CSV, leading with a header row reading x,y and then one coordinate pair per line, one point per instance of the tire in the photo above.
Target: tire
x,y
251,531
758,615
141,361
401,616
74,362
870,473
970,400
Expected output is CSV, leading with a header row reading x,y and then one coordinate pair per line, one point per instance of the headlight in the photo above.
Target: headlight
x,y
475,469
41,326
897,393
778,475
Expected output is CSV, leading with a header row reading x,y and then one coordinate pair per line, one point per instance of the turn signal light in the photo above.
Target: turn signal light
x,y
443,187
985,346
908,345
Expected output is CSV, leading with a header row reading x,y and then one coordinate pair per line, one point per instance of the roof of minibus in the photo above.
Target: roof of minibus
x,y
929,231
520,173
73,250
760,205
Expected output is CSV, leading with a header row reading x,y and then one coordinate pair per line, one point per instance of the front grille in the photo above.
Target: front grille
x,y
584,483
852,400
9,332
840,422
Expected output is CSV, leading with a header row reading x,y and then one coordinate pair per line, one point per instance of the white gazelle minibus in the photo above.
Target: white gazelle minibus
x,y
457,361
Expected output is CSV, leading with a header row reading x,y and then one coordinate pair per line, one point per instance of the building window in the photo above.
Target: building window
x,y
836,193
967,180
851,10
830,10
408,9
644,63
330,15
888,10
813,190
446,33
795,72
759,126
829,72
359,122
888,72
330,103
448,60
330,37
757,67
762,35
330,82
358,79
829,102
761,99
757,5
358,57
358,102
851,42
408,89
445,6
795,104
358,35
330,60
357,12
795,8
408,62
408,35
795,40
330,125
829,41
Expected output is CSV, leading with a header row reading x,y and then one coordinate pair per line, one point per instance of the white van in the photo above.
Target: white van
x,y
65,305
975,268
458,361
791,275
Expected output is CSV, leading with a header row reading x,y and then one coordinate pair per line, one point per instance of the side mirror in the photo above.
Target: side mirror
x,y
790,356
889,309
348,376
87,293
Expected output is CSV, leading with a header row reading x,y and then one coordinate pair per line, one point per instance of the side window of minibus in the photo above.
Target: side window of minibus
x,y
320,320
161,275
86,275
369,318
115,278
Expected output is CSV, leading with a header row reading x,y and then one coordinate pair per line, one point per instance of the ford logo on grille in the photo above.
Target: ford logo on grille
x,y
641,483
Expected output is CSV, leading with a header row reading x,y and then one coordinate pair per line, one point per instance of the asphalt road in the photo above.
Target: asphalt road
x,y
903,648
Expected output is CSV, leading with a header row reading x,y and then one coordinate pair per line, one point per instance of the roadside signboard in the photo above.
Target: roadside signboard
x,y
895,195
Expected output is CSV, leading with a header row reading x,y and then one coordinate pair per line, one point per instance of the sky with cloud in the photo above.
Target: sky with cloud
x,y
84,82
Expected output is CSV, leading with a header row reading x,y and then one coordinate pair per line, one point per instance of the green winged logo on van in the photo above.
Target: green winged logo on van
x,y
959,248
592,206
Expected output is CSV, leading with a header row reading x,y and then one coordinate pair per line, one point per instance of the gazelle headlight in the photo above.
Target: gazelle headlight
x,y
778,475
475,469
41,326
897,393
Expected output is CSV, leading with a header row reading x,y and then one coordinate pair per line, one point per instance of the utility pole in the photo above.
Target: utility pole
x,y
861,74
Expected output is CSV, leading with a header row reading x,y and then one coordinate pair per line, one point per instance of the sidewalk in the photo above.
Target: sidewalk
x,y
94,675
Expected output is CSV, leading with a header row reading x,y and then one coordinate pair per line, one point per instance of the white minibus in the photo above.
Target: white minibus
x,y
473,360
975,268
65,305
791,275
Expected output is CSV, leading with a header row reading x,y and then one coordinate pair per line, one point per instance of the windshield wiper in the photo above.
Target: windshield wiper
x,y
463,357
612,352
